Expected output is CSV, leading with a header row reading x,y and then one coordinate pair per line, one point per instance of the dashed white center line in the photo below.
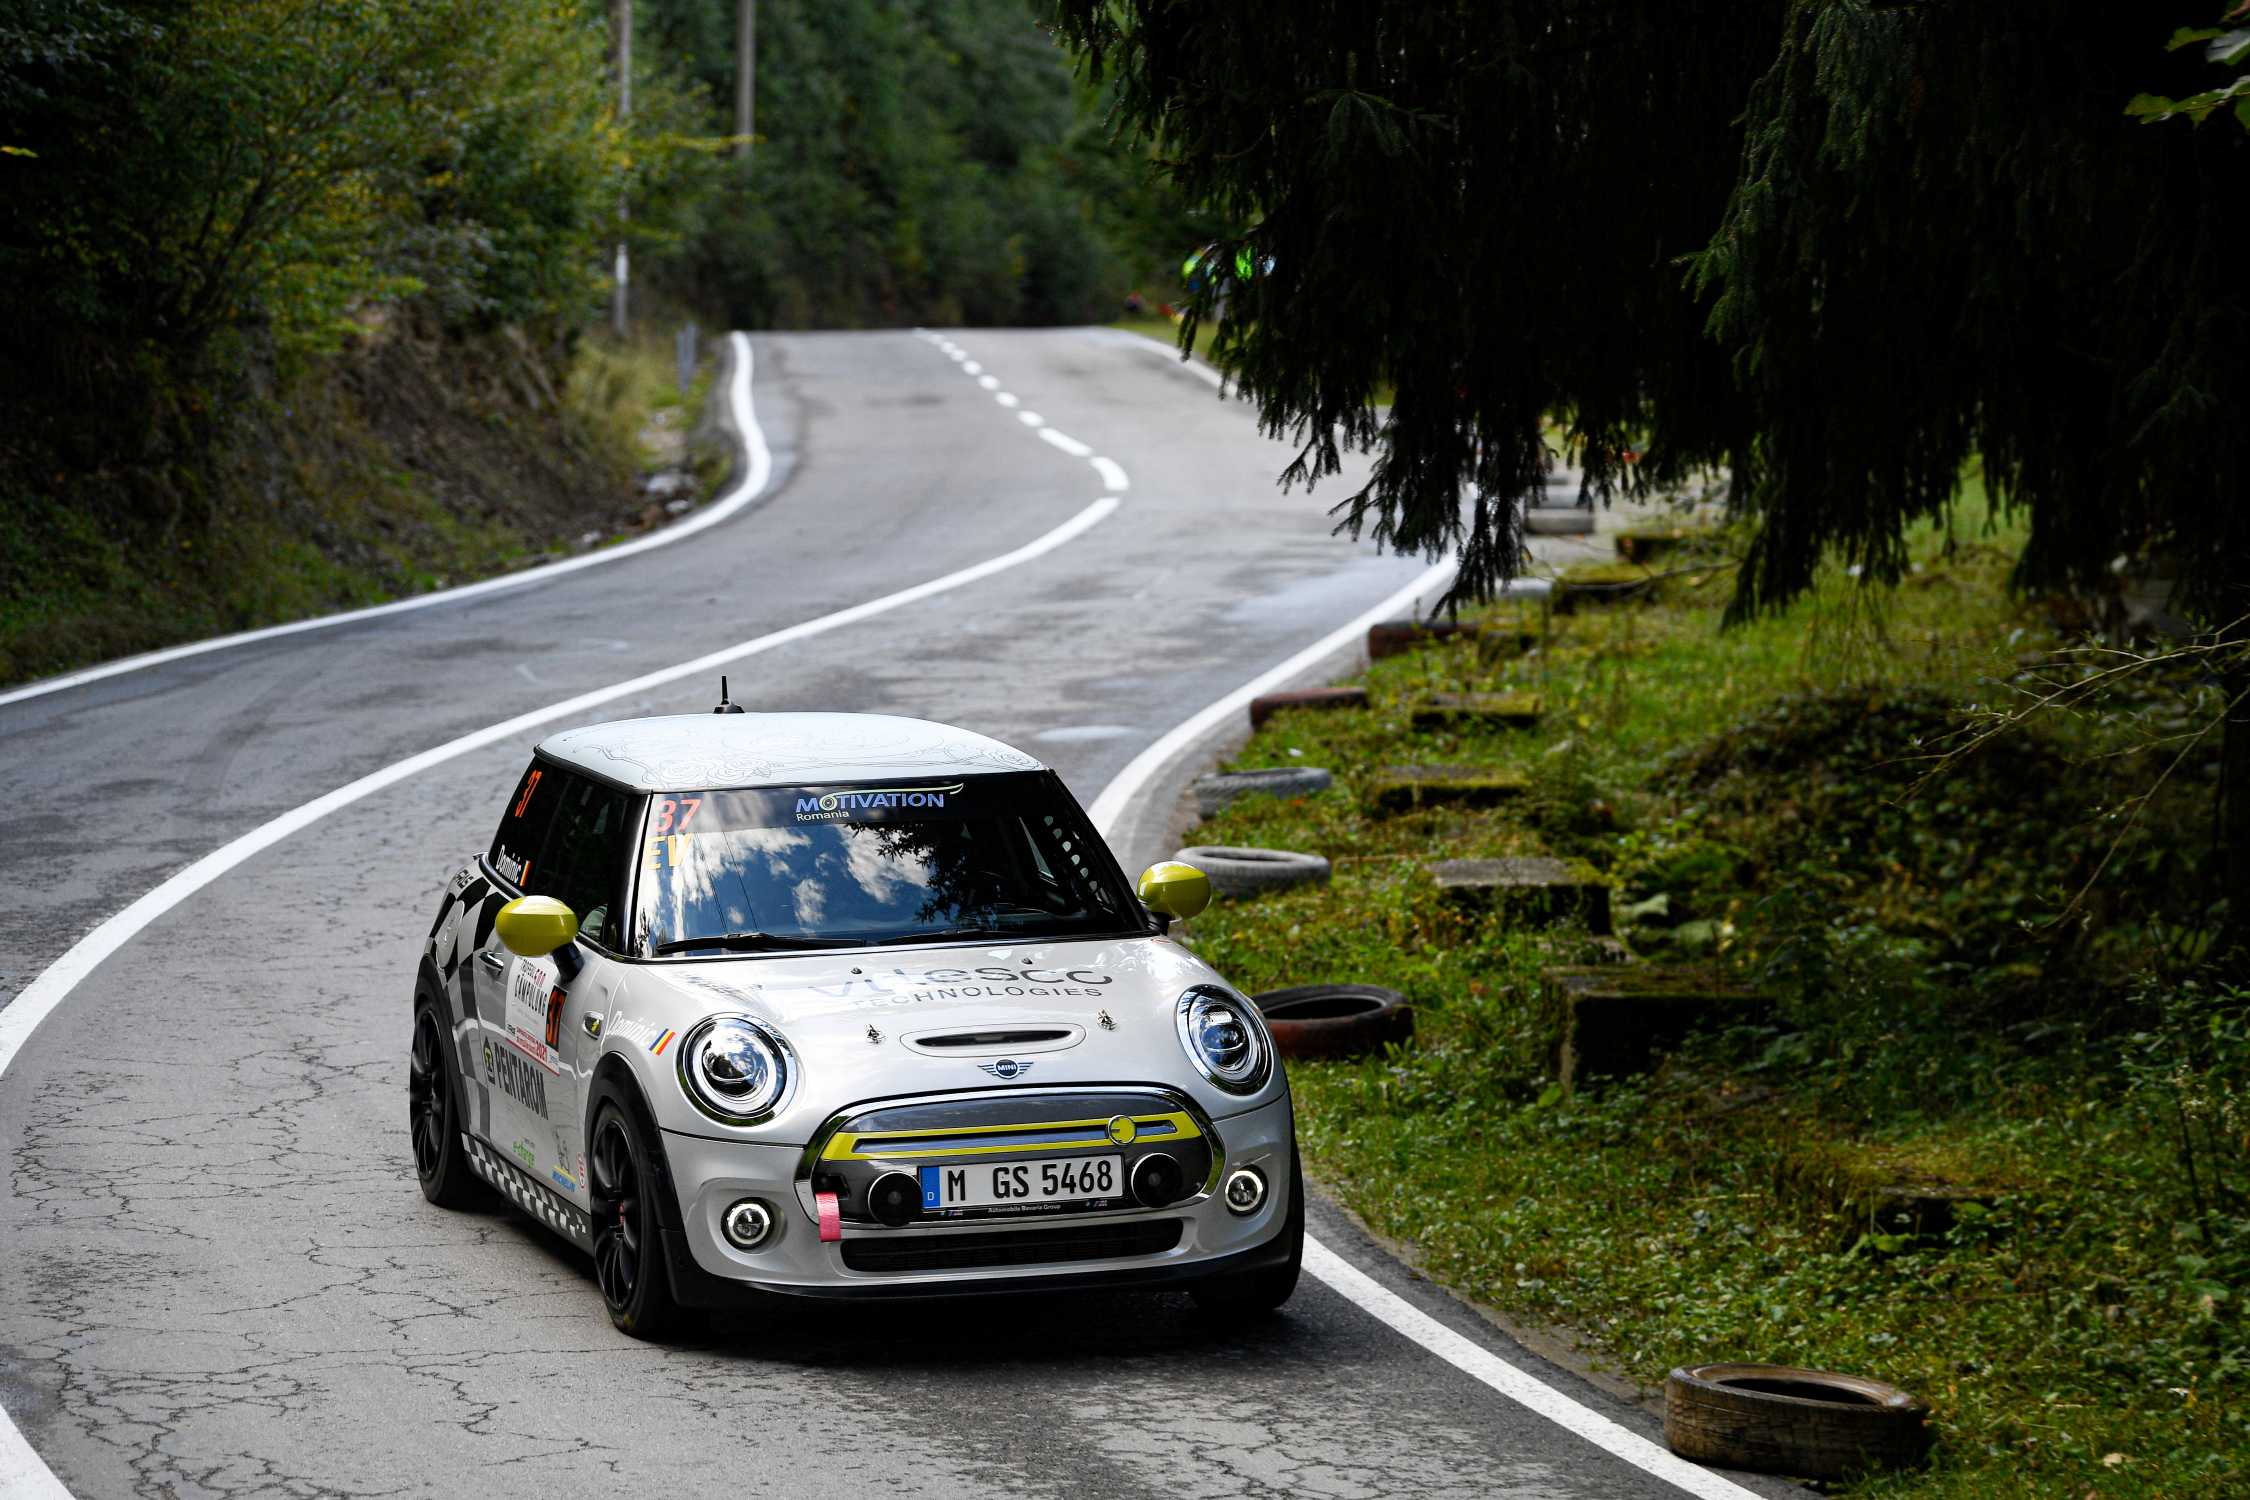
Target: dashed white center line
x,y
1030,418
1069,445
971,367
1005,399
989,382
1112,472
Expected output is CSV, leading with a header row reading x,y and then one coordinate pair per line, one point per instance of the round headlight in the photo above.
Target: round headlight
x,y
734,1069
1224,1040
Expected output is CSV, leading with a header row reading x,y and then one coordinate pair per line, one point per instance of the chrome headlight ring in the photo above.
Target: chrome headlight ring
x,y
1222,1035
736,1069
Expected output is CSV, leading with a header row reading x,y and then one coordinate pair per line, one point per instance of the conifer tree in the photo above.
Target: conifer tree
x,y
1844,247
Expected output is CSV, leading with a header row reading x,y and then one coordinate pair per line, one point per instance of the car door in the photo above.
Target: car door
x,y
541,1048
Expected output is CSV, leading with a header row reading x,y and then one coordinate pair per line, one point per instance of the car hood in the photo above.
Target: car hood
x,y
875,1025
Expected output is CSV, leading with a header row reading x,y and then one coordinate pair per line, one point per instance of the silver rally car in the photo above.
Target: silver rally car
x,y
842,1005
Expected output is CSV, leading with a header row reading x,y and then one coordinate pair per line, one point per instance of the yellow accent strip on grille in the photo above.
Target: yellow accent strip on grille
x,y
845,1145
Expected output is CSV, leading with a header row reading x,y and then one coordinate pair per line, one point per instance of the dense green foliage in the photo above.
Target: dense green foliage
x,y
915,161
1949,1023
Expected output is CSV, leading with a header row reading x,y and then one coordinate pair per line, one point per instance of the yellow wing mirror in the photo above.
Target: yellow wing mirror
x,y
535,926
1175,889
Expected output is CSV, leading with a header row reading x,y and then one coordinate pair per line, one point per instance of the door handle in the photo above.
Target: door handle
x,y
492,961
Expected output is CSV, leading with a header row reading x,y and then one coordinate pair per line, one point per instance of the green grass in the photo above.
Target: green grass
x,y
2084,1334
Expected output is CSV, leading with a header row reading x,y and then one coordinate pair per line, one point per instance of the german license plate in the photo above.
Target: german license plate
x,y
1009,1184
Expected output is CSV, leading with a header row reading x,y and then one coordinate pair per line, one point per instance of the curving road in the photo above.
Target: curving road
x,y
216,1274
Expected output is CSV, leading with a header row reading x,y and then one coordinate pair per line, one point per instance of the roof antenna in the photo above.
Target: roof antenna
x,y
724,706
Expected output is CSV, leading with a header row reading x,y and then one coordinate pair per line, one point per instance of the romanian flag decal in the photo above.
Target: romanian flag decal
x,y
662,1042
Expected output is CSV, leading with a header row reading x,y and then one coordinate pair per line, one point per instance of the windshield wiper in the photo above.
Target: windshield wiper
x,y
752,942
951,932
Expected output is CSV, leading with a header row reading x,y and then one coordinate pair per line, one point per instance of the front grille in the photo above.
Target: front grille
x,y
1025,1247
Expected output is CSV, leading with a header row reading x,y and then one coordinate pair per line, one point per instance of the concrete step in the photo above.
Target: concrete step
x,y
1397,637
1883,1190
1262,709
1478,711
1601,584
1617,1019
1398,789
1532,890
1645,544
1558,520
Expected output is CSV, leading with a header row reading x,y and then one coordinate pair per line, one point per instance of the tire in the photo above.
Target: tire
x,y
433,1116
1254,1294
1335,1020
1251,872
1776,1419
625,1174
1214,792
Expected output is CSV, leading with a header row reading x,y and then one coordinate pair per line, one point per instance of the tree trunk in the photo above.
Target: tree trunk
x,y
2234,798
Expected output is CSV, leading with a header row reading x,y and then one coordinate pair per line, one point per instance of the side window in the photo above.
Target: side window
x,y
583,865
516,848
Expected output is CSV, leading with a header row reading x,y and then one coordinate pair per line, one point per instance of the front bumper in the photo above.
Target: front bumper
x,y
710,1175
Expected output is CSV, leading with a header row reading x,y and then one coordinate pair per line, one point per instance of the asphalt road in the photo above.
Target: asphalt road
x,y
216,1274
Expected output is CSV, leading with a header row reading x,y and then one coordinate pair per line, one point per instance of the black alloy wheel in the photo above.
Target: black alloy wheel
x,y
441,1161
628,1262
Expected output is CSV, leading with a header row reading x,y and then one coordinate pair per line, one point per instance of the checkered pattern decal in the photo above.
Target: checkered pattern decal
x,y
556,1212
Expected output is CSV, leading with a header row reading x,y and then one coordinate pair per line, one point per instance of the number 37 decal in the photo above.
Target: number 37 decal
x,y
673,814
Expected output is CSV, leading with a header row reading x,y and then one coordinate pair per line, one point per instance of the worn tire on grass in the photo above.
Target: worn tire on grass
x,y
1214,792
1777,1419
1335,1020
1237,871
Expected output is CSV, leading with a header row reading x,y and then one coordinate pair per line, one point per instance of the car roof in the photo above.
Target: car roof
x,y
693,752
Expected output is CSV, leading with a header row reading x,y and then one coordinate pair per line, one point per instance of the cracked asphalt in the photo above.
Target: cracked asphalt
x,y
217,1277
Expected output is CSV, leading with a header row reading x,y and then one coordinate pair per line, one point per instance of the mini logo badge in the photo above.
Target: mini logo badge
x,y
1122,1129
1006,1068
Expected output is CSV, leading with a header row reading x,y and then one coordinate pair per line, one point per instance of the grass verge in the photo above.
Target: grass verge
x,y
1961,1020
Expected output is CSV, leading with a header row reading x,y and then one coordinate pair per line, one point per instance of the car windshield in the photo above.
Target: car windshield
x,y
790,868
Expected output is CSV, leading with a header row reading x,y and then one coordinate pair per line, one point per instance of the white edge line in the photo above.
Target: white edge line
x,y
1525,1390
1345,1279
1190,363
43,994
757,469
1109,807
1068,444
23,1474
1112,472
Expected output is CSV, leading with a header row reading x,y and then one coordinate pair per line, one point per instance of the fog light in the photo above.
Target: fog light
x,y
1156,1179
894,1198
747,1224
1246,1190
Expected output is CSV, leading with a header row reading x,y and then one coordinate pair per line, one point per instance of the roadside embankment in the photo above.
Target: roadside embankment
x,y
410,462
1749,1030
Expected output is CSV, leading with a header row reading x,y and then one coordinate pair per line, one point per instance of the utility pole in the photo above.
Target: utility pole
x,y
621,20
745,73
